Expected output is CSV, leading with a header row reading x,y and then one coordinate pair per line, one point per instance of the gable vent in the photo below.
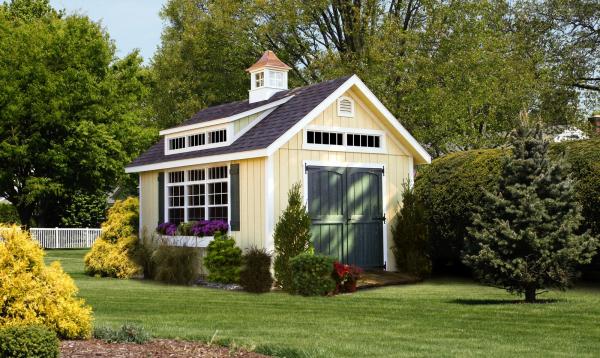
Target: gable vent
x,y
345,107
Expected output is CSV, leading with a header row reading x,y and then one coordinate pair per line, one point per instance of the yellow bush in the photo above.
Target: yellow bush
x,y
112,254
32,293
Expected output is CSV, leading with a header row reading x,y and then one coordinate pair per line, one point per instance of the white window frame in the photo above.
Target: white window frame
x,y
255,79
345,147
186,182
341,113
229,127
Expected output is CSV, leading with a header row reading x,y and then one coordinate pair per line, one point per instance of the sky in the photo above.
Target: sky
x,y
131,23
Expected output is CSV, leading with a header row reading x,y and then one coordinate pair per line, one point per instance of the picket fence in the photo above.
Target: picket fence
x,y
65,238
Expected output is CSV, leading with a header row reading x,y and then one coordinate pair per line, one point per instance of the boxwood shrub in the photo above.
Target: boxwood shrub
x,y
453,184
28,341
255,275
223,260
311,274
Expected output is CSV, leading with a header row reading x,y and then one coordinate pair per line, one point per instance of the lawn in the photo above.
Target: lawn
x,y
436,318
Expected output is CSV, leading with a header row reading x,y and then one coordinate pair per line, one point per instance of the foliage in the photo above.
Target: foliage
x,y
28,341
223,260
127,333
291,236
144,252
173,264
113,254
409,233
36,294
524,236
255,274
448,188
312,274
8,214
85,210
71,113
457,73
451,185
346,277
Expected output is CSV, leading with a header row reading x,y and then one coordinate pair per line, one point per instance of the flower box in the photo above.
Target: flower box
x,y
186,241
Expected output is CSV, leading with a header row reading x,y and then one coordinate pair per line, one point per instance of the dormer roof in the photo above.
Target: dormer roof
x,y
268,59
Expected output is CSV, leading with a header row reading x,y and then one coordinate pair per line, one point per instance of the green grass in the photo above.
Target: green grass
x,y
435,318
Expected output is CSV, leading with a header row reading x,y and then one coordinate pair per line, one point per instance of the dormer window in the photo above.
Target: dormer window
x,y
345,107
259,79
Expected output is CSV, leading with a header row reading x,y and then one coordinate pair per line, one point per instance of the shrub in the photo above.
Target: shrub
x,y
451,186
85,209
179,265
32,293
127,333
311,275
28,341
291,236
409,233
255,275
113,254
8,214
223,260
346,277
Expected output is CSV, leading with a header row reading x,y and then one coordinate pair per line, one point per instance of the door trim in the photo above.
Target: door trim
x,y
318,163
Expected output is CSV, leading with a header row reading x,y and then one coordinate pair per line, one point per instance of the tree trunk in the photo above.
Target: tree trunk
x,y
530,295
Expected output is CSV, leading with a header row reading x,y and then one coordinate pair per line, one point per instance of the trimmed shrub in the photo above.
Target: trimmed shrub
x,y
291,236
8,214
32,293
451,186
173,264
127,333
28,341
255,275
312,275
223,260
113,254
409,233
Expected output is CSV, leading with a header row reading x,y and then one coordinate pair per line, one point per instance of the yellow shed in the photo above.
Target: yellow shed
x,y
236,162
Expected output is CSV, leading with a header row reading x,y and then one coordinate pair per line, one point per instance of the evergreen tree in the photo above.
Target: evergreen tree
x,y
525,235
292,236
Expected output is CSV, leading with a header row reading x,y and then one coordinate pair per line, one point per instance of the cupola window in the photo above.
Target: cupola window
x,y
259,79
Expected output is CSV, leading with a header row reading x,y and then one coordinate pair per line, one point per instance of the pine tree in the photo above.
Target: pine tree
x,y
292,236
525,235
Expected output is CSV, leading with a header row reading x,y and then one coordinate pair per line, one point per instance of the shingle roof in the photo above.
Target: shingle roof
x,y
267,131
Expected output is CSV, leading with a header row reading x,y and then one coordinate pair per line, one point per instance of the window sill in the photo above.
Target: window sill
x,y
187,241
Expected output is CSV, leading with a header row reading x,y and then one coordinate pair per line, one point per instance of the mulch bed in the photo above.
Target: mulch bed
x,y
155,348
372,279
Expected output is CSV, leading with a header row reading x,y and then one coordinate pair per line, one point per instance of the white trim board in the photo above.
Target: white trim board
x,y
226,119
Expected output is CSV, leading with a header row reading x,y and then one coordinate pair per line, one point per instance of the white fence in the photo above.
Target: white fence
x,y
59,238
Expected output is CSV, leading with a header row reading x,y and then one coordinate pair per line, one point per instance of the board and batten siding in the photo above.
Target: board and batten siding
x,y
288,161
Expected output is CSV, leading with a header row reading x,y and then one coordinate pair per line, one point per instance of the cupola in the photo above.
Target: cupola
x,y
268,76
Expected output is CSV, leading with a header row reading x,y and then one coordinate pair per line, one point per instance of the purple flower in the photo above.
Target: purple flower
x,y
167,228
208,228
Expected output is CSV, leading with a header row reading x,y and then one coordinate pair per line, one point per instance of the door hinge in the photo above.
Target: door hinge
x,y
383,173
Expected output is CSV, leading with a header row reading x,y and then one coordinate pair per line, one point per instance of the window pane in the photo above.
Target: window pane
x,y
176,177
310,137
217,193
176,216
217,213
377,144
196,195
217,173
195,214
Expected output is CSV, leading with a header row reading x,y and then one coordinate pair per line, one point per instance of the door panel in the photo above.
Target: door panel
x,y
346,208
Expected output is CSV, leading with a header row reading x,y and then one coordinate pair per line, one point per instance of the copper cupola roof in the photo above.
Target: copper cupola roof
x,y
268,59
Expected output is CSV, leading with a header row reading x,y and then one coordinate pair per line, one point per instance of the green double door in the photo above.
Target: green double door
x,y
346,208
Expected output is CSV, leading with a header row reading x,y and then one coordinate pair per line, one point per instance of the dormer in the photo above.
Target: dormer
x,y
268,76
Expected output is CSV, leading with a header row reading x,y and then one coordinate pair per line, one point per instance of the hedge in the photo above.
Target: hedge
x,y
453,184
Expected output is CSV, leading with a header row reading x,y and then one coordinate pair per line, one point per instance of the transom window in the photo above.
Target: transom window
x,y
362,140
197,194
328,138
344,139
217,136
197,141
